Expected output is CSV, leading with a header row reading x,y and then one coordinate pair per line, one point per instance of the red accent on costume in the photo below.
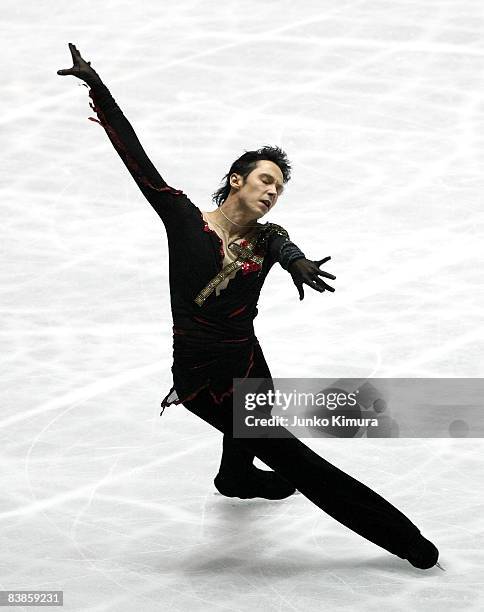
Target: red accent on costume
x,y
200,320
131,162
222,396
201,365
207,228
191,396
250,266
217,399
237,311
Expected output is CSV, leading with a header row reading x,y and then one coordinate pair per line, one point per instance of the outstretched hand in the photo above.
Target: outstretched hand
x,y
306,271
80,69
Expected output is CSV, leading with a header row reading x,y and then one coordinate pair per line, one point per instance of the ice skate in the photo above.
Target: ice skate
x,y
258,483
423,554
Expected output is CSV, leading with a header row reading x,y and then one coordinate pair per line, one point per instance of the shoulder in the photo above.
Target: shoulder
x,y
271,237
272,230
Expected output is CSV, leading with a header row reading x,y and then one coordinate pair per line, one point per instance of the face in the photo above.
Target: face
x,y
261,189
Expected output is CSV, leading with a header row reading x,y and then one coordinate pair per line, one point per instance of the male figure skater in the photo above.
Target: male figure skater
x,y
218,262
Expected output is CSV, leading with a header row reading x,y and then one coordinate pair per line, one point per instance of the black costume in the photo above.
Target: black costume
x,y
214,342
213,336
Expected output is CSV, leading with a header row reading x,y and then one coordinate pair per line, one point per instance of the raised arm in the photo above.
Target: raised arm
x,y
161,196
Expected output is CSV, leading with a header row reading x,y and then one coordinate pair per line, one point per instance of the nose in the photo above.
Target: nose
x,y
272,193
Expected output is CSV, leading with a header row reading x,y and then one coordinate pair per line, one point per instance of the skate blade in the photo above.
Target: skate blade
x,y
440,567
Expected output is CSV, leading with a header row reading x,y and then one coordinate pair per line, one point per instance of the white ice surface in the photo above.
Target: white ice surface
x,y
380,107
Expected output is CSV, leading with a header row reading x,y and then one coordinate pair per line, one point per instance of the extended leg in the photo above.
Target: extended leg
x,y
344,498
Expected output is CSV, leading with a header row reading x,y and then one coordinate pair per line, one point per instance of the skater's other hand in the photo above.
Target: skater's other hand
x,y
80,69
307,271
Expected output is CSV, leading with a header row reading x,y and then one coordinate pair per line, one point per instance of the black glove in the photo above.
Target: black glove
x,y
81,69
306,271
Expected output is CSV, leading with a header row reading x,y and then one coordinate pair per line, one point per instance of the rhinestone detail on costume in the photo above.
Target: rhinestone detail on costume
x,y
248,259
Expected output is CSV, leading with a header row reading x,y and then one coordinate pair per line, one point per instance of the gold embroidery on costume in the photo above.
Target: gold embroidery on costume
x,y
244,254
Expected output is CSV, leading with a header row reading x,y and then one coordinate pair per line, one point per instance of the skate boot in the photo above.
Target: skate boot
x,y
255,483
422,553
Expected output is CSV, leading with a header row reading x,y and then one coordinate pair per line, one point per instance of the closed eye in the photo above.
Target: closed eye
x,y
267,179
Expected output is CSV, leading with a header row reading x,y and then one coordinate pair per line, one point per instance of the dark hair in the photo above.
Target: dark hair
x,y
248,162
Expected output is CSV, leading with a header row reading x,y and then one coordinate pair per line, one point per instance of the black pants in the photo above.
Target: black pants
x,y
344,498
